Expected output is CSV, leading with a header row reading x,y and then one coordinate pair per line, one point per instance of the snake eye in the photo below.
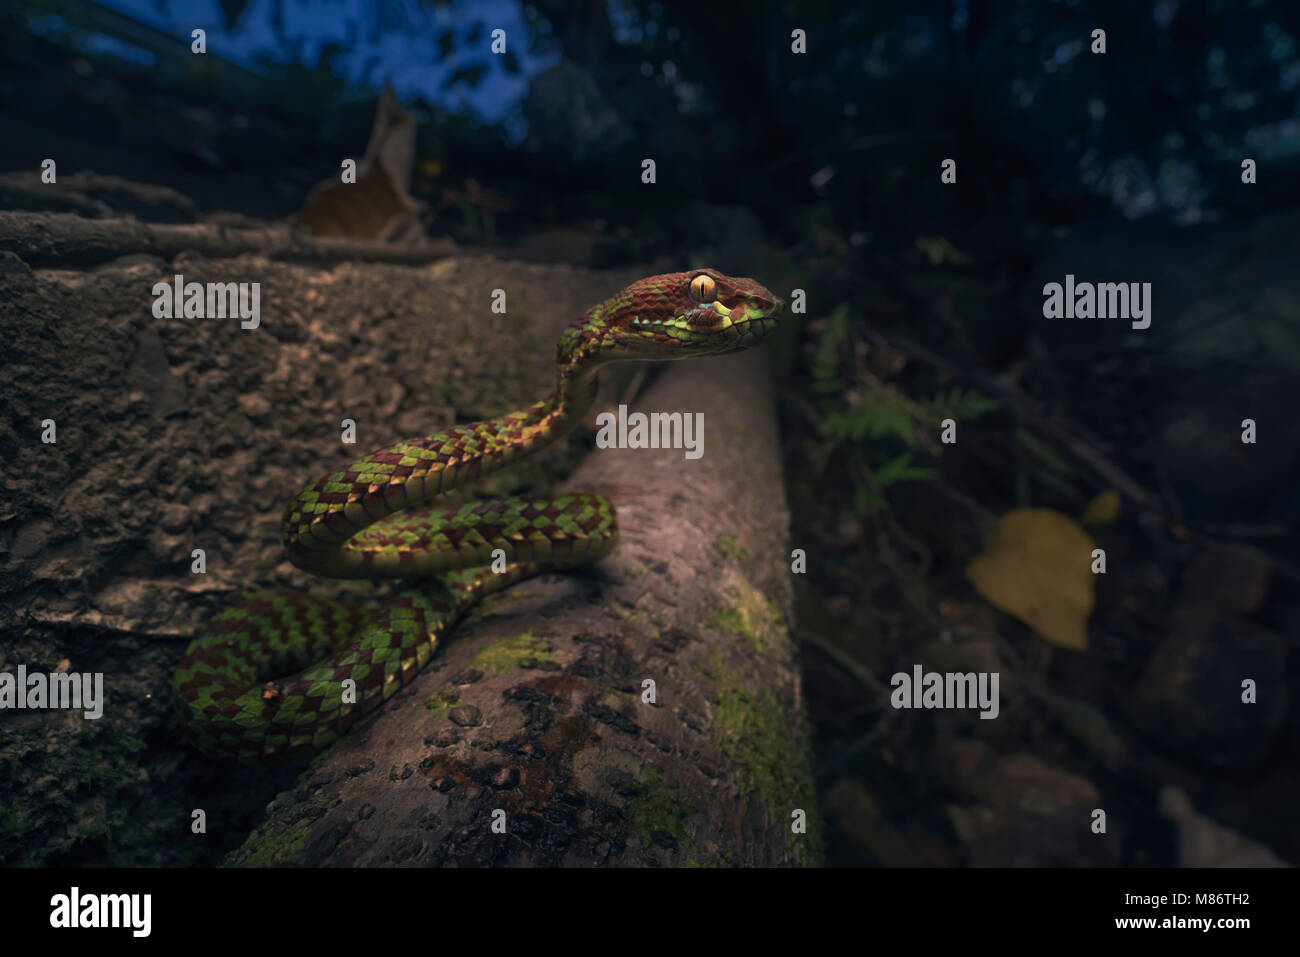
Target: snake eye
x,y
703,289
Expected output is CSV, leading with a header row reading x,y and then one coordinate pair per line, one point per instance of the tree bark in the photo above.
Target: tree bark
x,y
66,239
647,712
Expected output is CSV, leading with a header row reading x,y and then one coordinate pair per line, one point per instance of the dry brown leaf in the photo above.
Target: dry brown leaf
x,y
379,205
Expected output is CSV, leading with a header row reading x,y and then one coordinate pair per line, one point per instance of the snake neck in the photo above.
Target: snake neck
x,y
551,418
335,508
578,357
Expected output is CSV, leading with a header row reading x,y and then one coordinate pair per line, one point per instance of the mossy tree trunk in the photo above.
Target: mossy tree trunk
x,y
647,712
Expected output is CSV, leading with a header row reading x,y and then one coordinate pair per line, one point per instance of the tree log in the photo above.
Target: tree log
x,y
176,434
66,239
647,712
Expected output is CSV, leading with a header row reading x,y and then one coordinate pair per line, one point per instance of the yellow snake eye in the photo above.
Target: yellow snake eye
x,y
703,289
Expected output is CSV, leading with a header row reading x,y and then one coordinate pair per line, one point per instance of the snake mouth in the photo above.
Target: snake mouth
x,y
758,321
726,335
755,329
742,321
707,320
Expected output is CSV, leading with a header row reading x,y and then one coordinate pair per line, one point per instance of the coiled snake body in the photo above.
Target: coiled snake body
x,y
371,521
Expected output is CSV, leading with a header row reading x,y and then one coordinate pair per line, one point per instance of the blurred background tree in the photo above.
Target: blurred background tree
x,y
859,123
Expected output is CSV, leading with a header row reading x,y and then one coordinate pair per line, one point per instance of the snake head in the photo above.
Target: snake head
x,y
680,314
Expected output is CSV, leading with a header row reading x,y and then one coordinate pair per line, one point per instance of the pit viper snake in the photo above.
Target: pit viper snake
x,y
286,673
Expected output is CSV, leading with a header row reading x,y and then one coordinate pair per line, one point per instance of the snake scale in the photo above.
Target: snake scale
x,y
285,673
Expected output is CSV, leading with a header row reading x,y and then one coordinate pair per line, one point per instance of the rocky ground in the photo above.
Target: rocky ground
x,y
1148,721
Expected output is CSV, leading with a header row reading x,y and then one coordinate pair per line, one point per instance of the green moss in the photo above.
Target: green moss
x,y
508,654
731,548
654,808
269,846
74,793
754,618
500,606
767,745
623,611
440,702
730,619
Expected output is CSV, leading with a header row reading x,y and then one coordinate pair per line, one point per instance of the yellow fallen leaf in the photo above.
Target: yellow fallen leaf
x,y
1038,568
1102,510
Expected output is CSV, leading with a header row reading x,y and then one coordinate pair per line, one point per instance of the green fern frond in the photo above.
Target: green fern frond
x,y
900,469
959,404
874,417
828,361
